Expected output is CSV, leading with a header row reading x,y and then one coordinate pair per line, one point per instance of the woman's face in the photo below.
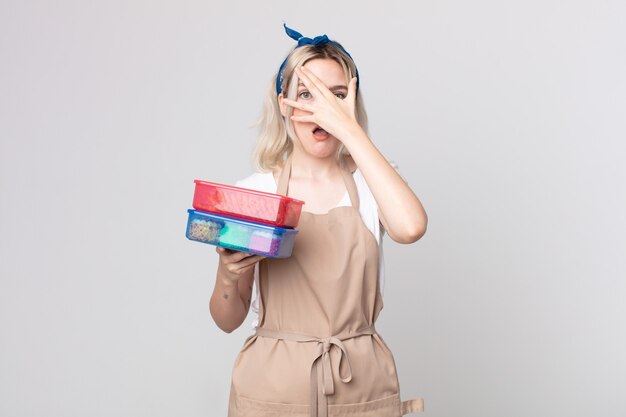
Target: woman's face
x,y
311,138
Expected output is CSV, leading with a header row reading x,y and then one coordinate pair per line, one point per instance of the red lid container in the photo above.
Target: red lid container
x,y
247,204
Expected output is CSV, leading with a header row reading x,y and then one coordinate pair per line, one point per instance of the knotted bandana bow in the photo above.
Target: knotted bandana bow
x,y
317,41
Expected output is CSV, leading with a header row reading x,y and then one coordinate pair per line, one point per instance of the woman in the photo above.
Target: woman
x,y
315,351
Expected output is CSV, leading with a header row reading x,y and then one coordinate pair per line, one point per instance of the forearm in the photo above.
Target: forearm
x,y
226,306
404,214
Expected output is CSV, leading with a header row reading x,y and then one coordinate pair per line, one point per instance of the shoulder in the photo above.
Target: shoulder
x,y
369,206
360,179
365,194
260,181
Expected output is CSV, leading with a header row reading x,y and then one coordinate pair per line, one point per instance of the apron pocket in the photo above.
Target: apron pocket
x,y
383,407
248,407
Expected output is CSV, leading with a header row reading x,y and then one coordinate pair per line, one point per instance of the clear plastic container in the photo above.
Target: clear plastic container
x,y
256,206
241,235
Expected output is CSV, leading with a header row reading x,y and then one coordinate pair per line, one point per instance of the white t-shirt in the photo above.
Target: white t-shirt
x,y
367,207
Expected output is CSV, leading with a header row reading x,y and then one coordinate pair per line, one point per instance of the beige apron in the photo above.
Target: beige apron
x,y
315,351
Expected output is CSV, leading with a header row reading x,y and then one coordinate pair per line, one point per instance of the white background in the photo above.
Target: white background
x,y
506,117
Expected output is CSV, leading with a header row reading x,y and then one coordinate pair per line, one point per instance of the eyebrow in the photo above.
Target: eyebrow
x,y
335,87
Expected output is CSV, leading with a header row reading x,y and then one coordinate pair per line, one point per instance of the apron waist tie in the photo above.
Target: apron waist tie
x,y
321,372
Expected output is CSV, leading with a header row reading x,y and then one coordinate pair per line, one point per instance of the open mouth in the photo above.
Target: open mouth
x,y
319,133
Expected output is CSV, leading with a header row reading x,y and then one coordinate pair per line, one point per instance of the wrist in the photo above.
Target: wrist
x,y
228,282
353,134
226,279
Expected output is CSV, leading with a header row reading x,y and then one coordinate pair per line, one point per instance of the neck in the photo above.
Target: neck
x,y
305,165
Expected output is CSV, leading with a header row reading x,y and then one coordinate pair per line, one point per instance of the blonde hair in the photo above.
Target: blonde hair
x,y
275,142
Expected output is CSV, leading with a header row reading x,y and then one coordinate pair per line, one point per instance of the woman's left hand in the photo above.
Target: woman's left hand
x,y
333,114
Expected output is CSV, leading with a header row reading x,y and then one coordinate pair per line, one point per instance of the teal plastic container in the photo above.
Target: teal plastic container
x,y
240,235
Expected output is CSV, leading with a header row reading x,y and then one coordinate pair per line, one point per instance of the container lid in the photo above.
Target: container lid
x,y
240,221
248,190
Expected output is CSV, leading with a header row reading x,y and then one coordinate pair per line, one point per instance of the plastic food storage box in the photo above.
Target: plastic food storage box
x,y
241,235
256,206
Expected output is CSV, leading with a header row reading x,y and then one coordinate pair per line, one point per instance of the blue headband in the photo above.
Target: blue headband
x,y
317,41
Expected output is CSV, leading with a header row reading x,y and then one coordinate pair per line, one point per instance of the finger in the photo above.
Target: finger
x,y
318,83
250,261
298,105
308,83
352,90
304,118
253,259
238,257
230,256
223,251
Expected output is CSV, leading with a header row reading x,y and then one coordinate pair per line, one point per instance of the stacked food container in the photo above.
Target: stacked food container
x,y
243,219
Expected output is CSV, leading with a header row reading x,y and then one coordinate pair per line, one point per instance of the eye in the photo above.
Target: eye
x,y
305,95
340,95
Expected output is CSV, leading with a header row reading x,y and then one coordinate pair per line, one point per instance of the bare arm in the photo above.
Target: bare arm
x,y
230,301
400,210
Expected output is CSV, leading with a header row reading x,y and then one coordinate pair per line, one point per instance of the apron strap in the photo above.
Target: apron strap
x,y
412,406
285,174
348,179
262,274
321,370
